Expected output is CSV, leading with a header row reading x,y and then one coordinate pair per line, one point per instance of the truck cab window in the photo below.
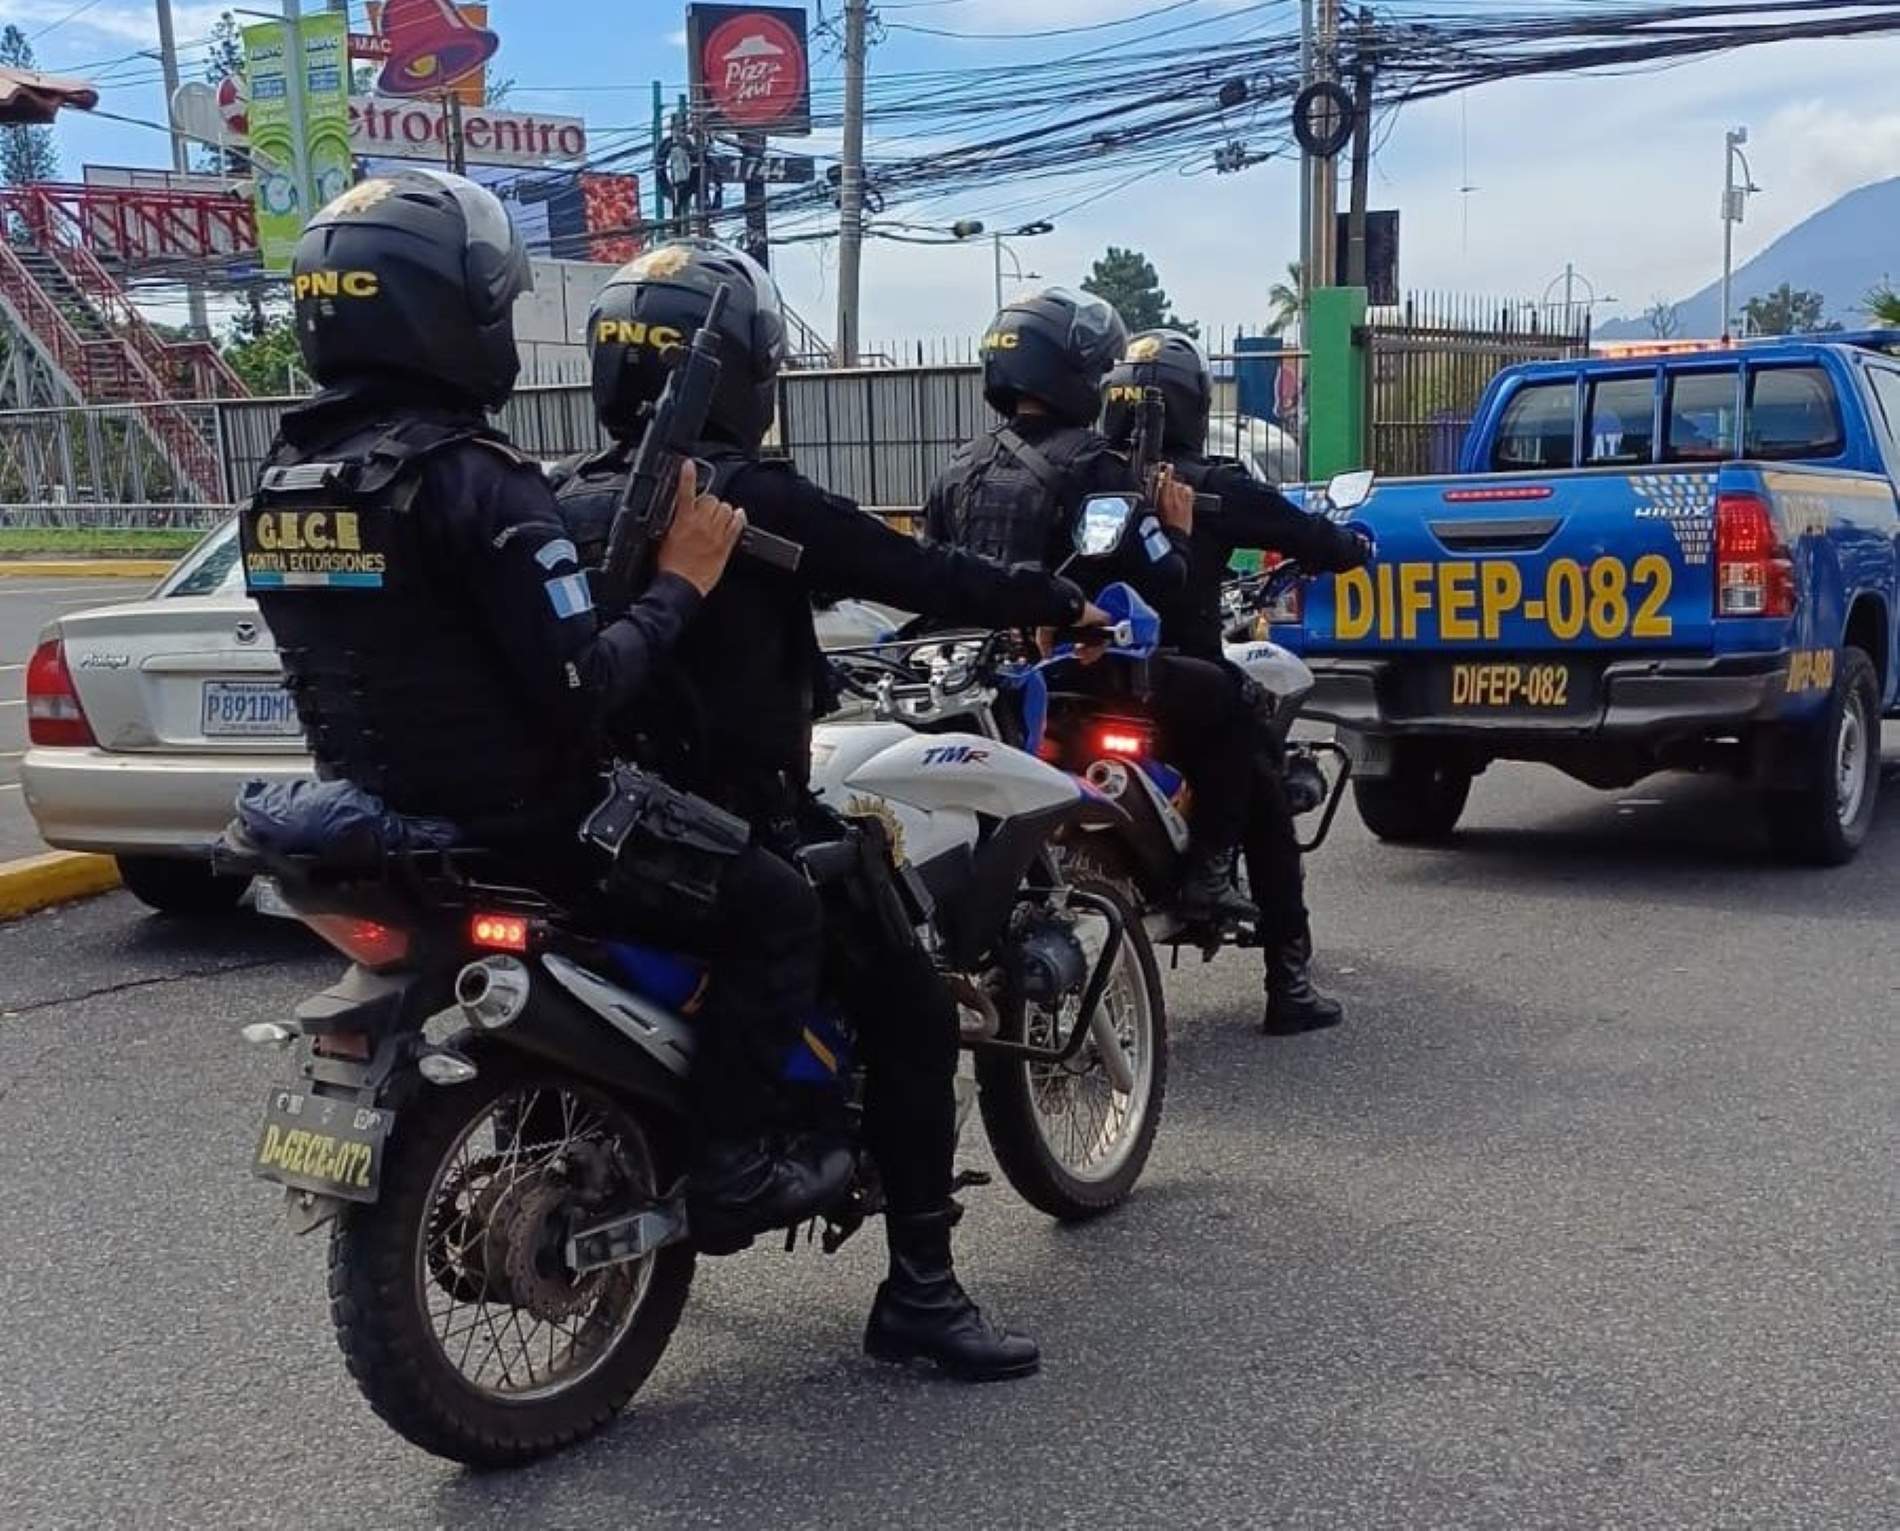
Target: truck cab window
x,y
1536,429
1621,428
1792,415
1886,385
1702,417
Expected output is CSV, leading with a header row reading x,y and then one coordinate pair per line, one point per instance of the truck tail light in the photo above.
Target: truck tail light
x,y
53,713
1754,571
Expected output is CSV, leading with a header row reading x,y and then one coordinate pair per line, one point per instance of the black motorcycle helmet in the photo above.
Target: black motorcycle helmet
x,y
412,274
646,315
1172,362
1052,346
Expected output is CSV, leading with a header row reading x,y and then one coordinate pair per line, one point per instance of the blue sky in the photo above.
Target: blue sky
x,y
1620,175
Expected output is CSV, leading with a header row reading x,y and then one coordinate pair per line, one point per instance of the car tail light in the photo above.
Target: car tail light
x,y
1121,740
362,941
53,713
498,932
1754,572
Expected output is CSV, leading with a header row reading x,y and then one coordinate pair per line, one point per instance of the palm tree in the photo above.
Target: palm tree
x,y
1883,305
1288,299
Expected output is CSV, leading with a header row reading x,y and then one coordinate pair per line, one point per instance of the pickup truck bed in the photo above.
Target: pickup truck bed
x,y
1662,562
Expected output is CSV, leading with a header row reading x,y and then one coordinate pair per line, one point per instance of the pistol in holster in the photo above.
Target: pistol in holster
x,y
665,845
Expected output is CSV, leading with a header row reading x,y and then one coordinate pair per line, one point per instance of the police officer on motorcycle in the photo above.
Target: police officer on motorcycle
x,y
745,682
1251,514
1014,495
436,630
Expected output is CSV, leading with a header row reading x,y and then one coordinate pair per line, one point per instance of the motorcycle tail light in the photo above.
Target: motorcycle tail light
x,y
498,932
351,1045
1122,741
363,941
53,713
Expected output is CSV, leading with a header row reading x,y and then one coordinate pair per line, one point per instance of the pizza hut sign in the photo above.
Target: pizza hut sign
x,y
750,68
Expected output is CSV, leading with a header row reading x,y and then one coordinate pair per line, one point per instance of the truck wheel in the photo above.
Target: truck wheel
x,y
1824,822
180,885
1419,802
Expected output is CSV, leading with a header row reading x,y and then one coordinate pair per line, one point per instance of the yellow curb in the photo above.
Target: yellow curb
x,y
37,882
97,568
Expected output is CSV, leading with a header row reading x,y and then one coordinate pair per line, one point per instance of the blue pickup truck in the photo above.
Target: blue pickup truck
x,y
1647,563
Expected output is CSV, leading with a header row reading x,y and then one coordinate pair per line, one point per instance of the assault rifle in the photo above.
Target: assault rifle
x,y
677,424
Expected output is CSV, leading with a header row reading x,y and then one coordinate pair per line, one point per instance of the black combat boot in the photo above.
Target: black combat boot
x,y
921,1313
1208,893
739,1189
1293,1004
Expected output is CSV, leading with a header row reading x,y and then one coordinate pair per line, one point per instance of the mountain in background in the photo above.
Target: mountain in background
x,y
1841,252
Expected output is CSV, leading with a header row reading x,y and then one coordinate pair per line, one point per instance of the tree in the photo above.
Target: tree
x,y
1127,279
1788,311
26,153
1288,299
1883,305
1663,320
263,356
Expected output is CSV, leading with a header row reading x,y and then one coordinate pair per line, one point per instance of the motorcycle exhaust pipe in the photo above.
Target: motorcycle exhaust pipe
x,y
492,992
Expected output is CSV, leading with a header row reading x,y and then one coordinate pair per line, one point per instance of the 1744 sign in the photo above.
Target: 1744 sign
x,y
757,166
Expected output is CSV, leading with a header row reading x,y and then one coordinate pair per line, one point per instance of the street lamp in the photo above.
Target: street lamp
x,y
1734,205
1027,231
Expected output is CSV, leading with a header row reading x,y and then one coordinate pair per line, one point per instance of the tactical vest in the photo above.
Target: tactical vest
x,y
393,675
1011,500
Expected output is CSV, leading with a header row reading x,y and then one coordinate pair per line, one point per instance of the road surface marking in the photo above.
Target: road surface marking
x,y
20,703
100,589
8,669
10,787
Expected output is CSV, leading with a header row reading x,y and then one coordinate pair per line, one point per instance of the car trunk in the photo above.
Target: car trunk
x,y
191,674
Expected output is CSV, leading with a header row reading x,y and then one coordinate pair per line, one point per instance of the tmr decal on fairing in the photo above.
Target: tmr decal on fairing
x,y
1685,503
955,754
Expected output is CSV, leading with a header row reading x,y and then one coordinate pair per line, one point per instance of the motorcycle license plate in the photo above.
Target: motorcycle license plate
x,y
316,1143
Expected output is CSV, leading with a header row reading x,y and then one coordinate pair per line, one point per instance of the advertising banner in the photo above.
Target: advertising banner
x,y
282,205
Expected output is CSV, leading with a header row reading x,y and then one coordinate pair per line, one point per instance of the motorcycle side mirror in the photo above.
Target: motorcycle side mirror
x,y
1348,491
1104,520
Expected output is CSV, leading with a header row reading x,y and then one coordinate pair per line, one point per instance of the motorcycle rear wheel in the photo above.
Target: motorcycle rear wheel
x,y
450,1296
1068,1141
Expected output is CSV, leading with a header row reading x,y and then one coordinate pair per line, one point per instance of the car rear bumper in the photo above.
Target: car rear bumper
x,y
1641,700
155,805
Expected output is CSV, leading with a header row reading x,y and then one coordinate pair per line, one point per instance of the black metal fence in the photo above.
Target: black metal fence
x,y
1429,361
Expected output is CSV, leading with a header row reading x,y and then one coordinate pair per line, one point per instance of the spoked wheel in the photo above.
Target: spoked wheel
x,y
452,1296
1072,1142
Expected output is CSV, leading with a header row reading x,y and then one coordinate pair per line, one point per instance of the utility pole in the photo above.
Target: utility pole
x,y
294,72
1361,154
181,161
1323,263
1307,267
1734,206
851,182
452,126
758,239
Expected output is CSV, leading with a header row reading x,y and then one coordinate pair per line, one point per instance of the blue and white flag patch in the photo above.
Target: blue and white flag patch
x,y
569,596
1155,541
559,551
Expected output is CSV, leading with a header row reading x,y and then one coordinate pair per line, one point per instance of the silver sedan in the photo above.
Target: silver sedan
x,y
146,717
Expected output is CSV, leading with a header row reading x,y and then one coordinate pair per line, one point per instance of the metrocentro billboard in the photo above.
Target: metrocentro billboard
x,y
412,129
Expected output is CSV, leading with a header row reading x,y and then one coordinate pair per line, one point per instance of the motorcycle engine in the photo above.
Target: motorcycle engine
x,y
1048,962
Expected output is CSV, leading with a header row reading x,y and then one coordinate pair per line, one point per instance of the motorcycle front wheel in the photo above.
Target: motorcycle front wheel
x,y
1070,1142
451,1296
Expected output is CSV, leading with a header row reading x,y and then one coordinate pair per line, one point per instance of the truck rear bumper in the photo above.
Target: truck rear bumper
x,y
1641,700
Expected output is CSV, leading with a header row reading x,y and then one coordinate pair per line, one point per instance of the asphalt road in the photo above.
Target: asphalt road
x,y
26,606
1587,1218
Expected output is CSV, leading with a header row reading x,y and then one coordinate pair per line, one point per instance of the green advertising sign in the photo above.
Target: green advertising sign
x,y
283,206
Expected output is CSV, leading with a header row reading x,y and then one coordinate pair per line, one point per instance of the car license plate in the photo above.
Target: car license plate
x,y
1518,688
317,1143
249,709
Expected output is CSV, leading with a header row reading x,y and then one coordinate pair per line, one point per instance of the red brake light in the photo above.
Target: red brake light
x,y
499,932
1754,574
53,713
363,941
1117,741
